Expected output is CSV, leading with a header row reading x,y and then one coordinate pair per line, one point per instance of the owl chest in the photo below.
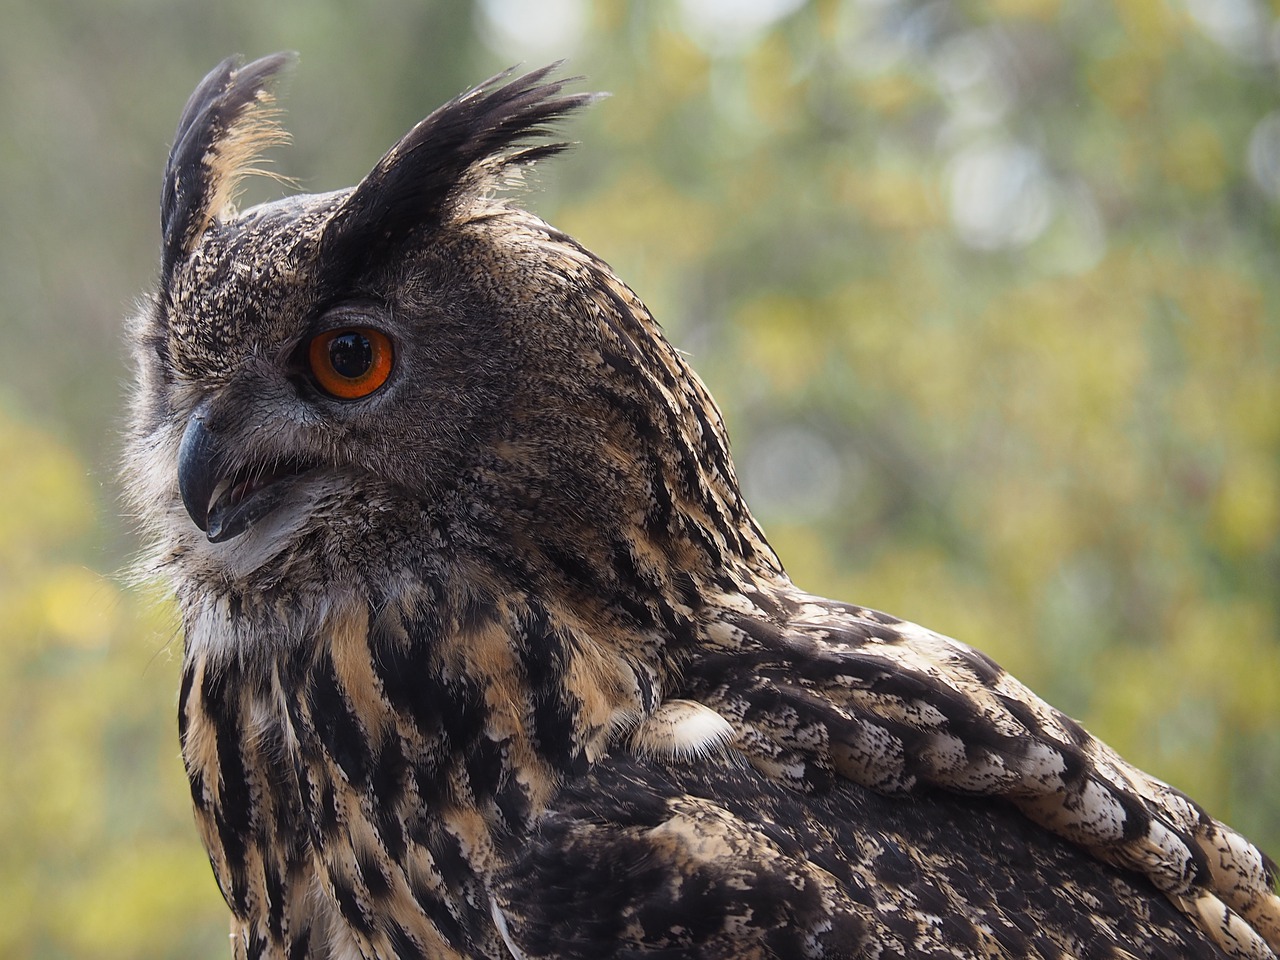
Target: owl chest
x,y
327,822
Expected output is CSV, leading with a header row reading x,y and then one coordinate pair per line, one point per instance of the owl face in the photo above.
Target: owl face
x,y
326,371
290,386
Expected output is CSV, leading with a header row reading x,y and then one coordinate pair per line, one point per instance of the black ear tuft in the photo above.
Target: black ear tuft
x,y
227,123
462,146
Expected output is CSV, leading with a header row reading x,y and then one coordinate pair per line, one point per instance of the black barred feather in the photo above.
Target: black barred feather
x,y
494,661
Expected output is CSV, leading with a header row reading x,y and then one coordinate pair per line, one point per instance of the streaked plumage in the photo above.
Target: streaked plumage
x,y
493,661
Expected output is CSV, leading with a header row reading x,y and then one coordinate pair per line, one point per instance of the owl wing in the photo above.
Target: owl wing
x,y
713,858
822,693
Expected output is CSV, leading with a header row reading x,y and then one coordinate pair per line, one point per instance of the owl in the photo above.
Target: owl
x,y
485,655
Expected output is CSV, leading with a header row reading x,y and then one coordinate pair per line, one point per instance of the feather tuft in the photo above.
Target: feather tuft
x,y
461,150
227,124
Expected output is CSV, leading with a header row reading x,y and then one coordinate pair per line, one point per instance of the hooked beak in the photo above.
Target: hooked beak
x,y
197,469
222,498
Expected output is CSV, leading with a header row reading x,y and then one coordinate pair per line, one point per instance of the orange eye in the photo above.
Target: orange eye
x,y
351,363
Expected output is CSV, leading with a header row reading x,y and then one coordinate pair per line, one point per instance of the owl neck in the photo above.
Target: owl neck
x,y
499,679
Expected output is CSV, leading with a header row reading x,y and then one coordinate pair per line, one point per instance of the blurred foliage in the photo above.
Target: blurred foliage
x,y
987,292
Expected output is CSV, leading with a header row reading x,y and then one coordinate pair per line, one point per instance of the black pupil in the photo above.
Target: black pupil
x,y
351,355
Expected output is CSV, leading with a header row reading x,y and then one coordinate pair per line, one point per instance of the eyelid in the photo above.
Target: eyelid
x,y
350,313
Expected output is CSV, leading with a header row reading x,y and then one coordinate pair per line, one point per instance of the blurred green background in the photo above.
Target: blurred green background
x,y
988,293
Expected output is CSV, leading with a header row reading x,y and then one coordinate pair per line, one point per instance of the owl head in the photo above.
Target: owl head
x,y
410,375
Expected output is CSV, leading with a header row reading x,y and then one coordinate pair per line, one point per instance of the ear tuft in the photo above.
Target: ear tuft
x,y
227,124
461,149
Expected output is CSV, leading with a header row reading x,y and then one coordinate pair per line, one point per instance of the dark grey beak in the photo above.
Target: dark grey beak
x,y
198,469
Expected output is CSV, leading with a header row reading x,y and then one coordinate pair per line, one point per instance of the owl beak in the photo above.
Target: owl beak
x,y
222,500
197,469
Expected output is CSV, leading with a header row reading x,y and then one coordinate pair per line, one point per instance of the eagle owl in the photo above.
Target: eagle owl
x,y
485,655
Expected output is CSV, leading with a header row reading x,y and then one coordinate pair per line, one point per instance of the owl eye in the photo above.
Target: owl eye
x,y
350,363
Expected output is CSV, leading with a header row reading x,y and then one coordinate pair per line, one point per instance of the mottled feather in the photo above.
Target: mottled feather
x,y
493,661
